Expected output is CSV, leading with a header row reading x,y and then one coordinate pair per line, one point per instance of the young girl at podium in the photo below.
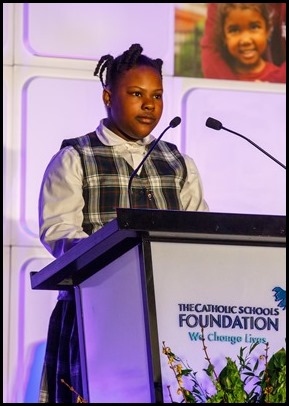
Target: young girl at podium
x,y
87,179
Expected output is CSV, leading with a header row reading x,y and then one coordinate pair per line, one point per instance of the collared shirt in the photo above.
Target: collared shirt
x,y
61,199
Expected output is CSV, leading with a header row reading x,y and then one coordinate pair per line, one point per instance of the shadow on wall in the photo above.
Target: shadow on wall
x,y
34,368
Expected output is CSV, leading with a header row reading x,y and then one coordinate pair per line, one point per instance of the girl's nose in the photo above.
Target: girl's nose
x,y
148,104
245,38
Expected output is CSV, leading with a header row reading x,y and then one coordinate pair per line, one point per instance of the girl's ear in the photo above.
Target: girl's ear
x,y
106,97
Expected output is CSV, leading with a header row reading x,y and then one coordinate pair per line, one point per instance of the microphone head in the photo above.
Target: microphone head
x,y
175,122
214,124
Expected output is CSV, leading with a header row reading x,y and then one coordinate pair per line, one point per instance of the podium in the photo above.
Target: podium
x,y
154,276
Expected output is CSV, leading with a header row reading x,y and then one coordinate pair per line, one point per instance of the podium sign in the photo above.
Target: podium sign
x,y
151,276
227,289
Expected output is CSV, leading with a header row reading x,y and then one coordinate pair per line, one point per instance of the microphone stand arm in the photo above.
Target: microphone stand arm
x,y
255,145
141,163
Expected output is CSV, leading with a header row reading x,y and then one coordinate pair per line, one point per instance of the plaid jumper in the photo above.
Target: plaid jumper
x,y
105,187
106,177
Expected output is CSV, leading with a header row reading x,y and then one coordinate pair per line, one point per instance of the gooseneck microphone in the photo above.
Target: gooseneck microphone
x,y
217,125
174,123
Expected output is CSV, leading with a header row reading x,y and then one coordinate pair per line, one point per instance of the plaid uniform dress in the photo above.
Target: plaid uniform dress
x,y
105,187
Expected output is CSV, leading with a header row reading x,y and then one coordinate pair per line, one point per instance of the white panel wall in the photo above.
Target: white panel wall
x,y
6,318
30,311
237,176
75,35
50,51
7,180
8,33
7,151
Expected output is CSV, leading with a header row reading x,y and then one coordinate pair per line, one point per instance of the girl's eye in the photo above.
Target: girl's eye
x,y
255,26
233,29
139,94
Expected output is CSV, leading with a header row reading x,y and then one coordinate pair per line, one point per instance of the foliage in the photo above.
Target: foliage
x,y
269,379
79,399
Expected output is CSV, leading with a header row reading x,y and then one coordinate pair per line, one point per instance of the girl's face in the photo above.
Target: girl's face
x,y
135,104
246,37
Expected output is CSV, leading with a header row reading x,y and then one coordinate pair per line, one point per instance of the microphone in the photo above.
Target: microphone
x,y
217,125
174,123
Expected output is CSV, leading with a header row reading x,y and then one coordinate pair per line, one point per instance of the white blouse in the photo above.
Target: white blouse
x,y
61,200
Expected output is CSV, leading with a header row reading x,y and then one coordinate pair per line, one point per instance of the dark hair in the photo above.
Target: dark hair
x,y
222,11
112,67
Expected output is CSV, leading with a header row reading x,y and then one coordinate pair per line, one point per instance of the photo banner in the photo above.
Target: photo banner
x,y
231,41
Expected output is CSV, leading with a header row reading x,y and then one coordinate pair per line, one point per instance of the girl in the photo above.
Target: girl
x,y
242,35
88,178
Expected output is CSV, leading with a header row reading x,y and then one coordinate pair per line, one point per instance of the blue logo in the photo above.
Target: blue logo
x,y
280,296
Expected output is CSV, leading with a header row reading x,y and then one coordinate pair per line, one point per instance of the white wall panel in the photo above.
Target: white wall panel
x,y
72,35
6,318
30,313
7,152
237,177
52,105
8,33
